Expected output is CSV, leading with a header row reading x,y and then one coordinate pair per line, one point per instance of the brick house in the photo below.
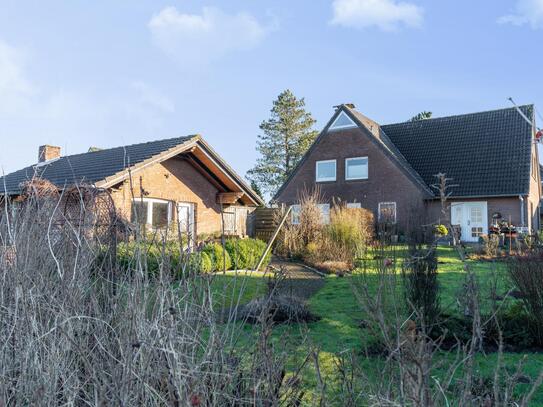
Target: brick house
x,y
179,181
390,169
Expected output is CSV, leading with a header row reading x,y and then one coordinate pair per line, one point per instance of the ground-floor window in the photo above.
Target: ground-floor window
x,y
325,213
295,213
387,212
156,213
356,205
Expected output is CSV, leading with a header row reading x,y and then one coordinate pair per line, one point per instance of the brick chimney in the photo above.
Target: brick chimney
x,y
46,153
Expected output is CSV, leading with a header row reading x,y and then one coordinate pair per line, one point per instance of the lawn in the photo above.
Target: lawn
x,y
340,315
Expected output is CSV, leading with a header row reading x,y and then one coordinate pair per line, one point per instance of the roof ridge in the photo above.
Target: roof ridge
x,y
461,115
124,146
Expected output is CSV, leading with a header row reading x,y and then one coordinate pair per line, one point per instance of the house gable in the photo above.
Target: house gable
x,y
386,180
367,130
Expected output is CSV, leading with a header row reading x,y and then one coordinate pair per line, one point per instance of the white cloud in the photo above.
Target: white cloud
x,y
387,15
200,38
526,12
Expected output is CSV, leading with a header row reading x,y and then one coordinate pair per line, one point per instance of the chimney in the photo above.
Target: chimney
x,y
47,153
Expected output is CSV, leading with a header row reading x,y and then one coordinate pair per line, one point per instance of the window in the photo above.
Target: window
x,y
354,205
342,122
325,213
295,214
356,168
476,231
153,212
387,212
326,171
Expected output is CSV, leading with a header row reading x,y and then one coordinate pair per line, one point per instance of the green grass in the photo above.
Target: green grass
x,y
339,328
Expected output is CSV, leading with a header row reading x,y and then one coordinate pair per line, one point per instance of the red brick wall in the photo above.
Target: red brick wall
x,y
386,181
177,181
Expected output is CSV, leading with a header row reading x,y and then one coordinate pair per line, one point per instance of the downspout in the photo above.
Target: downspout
x,y
521,210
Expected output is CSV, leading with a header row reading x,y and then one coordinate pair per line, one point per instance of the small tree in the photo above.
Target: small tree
x,y
421,116
286,137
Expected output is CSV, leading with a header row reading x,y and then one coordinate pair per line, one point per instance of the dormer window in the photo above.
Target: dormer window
x,y
342,122
325,171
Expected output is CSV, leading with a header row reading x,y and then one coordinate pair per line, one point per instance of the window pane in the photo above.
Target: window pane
x,y
357,168
387,212
325,213
295,214
343,121
160,214
354,205
326,171
139,212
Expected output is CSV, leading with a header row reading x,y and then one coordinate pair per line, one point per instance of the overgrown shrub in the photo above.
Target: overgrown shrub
x,y
347,236
421,287
343,239
245,253
526,272
220,259
489,244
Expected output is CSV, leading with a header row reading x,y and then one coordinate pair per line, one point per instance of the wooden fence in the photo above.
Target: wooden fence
x,y
264,222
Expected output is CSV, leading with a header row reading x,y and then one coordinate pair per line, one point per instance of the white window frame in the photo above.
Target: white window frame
x,y
150,201
347,166
325,219
295,213
354,205
326,179
333,126
387,203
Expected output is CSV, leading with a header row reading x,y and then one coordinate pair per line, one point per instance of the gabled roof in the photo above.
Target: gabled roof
x,y
376,135
486,153
105,168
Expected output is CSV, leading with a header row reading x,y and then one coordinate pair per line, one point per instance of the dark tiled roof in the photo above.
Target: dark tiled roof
x,y
486,154
89,167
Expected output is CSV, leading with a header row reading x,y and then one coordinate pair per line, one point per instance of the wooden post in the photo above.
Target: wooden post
x,y
274,236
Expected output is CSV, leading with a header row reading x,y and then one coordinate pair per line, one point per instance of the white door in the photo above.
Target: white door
x,y
185,217
472,218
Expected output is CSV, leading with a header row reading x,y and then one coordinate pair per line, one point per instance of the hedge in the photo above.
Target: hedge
x,y
245,253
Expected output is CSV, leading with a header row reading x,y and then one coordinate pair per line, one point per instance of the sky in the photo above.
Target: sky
x,y
108,73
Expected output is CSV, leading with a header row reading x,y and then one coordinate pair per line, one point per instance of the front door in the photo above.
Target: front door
x,y
472,218
185,217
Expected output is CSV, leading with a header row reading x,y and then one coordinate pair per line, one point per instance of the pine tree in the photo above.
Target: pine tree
x,y
285,138
256,189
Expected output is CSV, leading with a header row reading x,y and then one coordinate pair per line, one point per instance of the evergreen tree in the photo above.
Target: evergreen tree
x,y
256,189
421,116
285,138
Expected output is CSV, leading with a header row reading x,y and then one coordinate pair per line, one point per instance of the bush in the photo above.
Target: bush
x,y
245,253
441,230
421,288
527,274
206,265
489,244
220,259
152,254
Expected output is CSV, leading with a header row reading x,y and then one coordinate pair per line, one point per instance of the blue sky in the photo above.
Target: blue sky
x,y
102,73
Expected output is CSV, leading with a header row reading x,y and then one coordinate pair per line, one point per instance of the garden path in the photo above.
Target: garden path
x,y
300,281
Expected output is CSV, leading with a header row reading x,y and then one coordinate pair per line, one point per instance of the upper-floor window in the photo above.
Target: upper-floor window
x,y
342,122
156,213
325,170
387,212
356,168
